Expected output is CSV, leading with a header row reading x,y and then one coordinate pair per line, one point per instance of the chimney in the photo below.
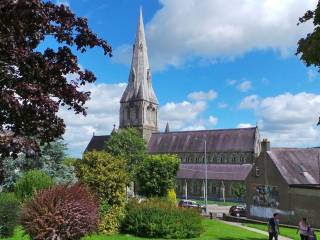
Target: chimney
x,y
265,145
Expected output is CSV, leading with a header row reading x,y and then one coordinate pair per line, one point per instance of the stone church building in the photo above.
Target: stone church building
x,y
229,152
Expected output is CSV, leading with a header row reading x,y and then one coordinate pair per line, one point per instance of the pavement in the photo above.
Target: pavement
x,y
220,210
253,229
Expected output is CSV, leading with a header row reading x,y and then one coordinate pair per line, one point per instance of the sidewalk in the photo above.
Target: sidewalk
x,y
253,229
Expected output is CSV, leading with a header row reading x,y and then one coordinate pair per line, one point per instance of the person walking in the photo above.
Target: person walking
x,y
303,229
273,227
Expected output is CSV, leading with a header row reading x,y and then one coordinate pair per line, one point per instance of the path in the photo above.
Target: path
x,y
253,229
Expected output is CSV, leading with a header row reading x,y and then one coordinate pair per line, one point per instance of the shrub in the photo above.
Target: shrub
x,y
172,197
62,212
30,182
156,175
9,213
105,174
110,217
160,219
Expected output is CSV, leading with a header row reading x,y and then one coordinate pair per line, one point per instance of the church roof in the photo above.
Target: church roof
x,y
220,140
139,84
228,172
297,165
97,143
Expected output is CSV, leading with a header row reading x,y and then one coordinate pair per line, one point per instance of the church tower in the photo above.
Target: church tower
x,y
139,104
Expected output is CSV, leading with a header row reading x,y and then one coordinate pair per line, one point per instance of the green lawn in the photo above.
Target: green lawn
x,y
18,235
215,230
284,231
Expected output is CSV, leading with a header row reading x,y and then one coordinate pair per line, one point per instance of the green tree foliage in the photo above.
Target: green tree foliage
x,y
309,46
56,164
110,217
239,190
31,182
156,218
128,144
156,175
105,174
52,161
9,213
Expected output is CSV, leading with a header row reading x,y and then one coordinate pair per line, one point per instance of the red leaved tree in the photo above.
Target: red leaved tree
x,y
33,83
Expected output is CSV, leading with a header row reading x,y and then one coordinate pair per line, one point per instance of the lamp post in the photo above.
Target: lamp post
x,y
206,175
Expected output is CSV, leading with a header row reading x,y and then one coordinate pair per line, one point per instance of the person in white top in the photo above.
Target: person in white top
x,y
304,229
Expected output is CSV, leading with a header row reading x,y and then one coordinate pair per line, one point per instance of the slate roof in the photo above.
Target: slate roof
x,y
221,140
97,143
297,165
228,172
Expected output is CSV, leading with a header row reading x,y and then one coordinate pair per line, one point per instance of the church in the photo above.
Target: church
x,y
229,152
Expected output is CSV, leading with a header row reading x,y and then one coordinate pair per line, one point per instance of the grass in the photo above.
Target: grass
x,y
284,231
214,230
18,234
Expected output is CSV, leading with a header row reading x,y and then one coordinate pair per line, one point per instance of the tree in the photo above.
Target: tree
x,y
33,83
105,174
156,175
239,190
52,161
309,46
56,164
128,144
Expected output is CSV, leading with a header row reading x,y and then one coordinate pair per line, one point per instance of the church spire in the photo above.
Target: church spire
x,y
167,128
139,104
139,85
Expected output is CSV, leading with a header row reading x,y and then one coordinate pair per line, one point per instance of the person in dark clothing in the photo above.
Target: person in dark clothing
x,y
273,227
303,229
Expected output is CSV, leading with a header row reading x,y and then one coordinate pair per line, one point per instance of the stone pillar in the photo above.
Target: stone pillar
x,y
186,189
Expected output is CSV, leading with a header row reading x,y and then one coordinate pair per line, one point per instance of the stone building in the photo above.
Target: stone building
x,y
229,152
287,181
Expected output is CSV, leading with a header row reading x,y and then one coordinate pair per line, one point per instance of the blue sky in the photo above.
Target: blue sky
x,y
215,64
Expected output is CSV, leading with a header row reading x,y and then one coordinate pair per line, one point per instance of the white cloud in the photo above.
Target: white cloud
x,y
288,119
222,105
122,54
213,120
194,127
103,112
202,96
231,82
312,74
181,115
244,125
213,29
249,102
244,86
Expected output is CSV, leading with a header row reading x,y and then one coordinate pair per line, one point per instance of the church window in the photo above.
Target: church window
x,y
128,113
